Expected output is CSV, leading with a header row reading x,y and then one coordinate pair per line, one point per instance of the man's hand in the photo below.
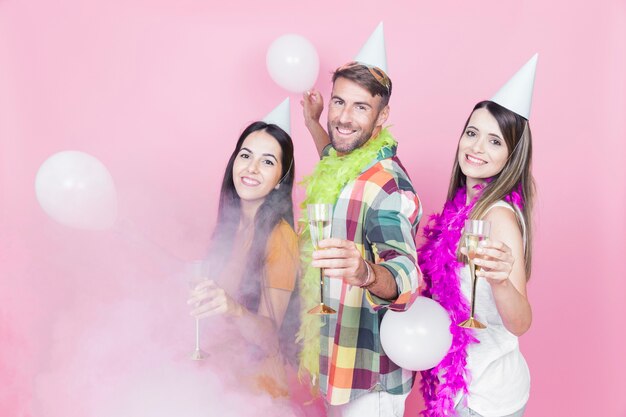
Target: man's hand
x,y
340,259
312,106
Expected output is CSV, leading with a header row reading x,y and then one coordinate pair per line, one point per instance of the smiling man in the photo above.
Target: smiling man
x,y
370,261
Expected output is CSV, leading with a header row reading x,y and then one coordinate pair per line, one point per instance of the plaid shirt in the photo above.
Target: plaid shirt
x,y
378,211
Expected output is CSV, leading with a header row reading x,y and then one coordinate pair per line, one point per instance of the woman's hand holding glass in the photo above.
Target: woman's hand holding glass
x,y
494,259
208,299
475,231
197,272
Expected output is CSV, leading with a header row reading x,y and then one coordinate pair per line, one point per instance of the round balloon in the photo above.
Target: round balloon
x,y
77,190
293,63
419,338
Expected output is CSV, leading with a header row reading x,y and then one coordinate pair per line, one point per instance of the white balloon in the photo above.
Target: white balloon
x,y
419,338
293,63
77,190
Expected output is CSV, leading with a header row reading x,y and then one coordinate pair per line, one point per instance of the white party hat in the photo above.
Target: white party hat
x,y
373,52
280,116
517,94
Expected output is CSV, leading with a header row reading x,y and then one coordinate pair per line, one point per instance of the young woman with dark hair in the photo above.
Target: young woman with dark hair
x,y
254,252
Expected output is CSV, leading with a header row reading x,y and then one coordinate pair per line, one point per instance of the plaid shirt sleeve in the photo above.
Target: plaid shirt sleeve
x,y
391,226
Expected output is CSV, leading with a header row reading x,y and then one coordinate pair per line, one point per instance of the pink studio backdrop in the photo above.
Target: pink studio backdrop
x,y
159,91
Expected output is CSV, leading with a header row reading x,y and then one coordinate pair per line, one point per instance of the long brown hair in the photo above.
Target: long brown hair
x,y
515,175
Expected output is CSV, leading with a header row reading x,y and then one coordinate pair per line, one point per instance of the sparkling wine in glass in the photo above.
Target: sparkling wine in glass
x,y
320,225
196,272
475,232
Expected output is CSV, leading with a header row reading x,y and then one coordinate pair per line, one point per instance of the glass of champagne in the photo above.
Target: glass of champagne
x,y
475,232
196,273
320,225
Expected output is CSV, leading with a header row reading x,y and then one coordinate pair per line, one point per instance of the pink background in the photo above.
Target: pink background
x,y
159,91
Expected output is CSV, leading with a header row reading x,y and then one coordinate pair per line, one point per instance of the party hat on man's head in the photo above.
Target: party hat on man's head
x,y
281,116
517,94
373,52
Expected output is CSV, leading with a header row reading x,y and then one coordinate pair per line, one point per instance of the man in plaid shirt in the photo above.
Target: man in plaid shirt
x,y
371,259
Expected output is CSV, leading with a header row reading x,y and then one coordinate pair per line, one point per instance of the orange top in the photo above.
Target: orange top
x,y
283,257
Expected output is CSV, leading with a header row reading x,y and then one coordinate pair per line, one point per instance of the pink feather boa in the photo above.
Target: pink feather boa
x,y
439,263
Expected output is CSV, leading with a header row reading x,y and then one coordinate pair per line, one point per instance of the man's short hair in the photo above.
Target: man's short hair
x,y
373,79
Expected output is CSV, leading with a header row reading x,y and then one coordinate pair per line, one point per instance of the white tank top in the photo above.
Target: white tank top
x,y
499,376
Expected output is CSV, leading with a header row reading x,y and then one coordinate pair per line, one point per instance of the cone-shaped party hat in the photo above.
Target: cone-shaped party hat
x,y
517,94
280,116
373,52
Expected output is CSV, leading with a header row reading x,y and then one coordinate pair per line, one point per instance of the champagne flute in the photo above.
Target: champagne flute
x,y
475,232
320,225
196,273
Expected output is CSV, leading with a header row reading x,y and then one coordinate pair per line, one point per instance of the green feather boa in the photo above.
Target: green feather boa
x,y
324,185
